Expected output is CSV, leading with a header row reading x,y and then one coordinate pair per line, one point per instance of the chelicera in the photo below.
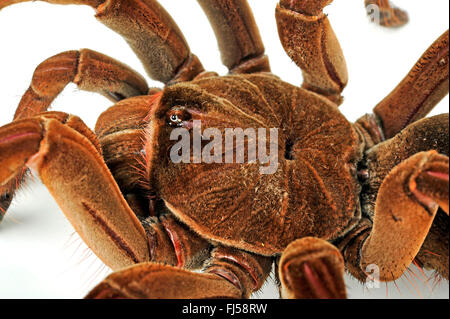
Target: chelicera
x,y
327,208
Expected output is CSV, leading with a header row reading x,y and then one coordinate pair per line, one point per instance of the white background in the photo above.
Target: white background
x,y
40,256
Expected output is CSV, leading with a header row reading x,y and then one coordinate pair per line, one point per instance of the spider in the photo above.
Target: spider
x,y
237,263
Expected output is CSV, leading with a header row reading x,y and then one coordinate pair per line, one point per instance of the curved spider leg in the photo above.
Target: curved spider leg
x,y
424,135
309,40
428,134
402,222
382,13
89,70
311,268
8,189
237,34
67,157
151,33
229,273
70,166
424,87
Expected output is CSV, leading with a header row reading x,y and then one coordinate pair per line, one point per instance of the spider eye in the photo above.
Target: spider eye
x,y
177,116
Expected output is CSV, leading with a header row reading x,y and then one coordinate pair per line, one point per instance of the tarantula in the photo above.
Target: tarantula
x,y
326,208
